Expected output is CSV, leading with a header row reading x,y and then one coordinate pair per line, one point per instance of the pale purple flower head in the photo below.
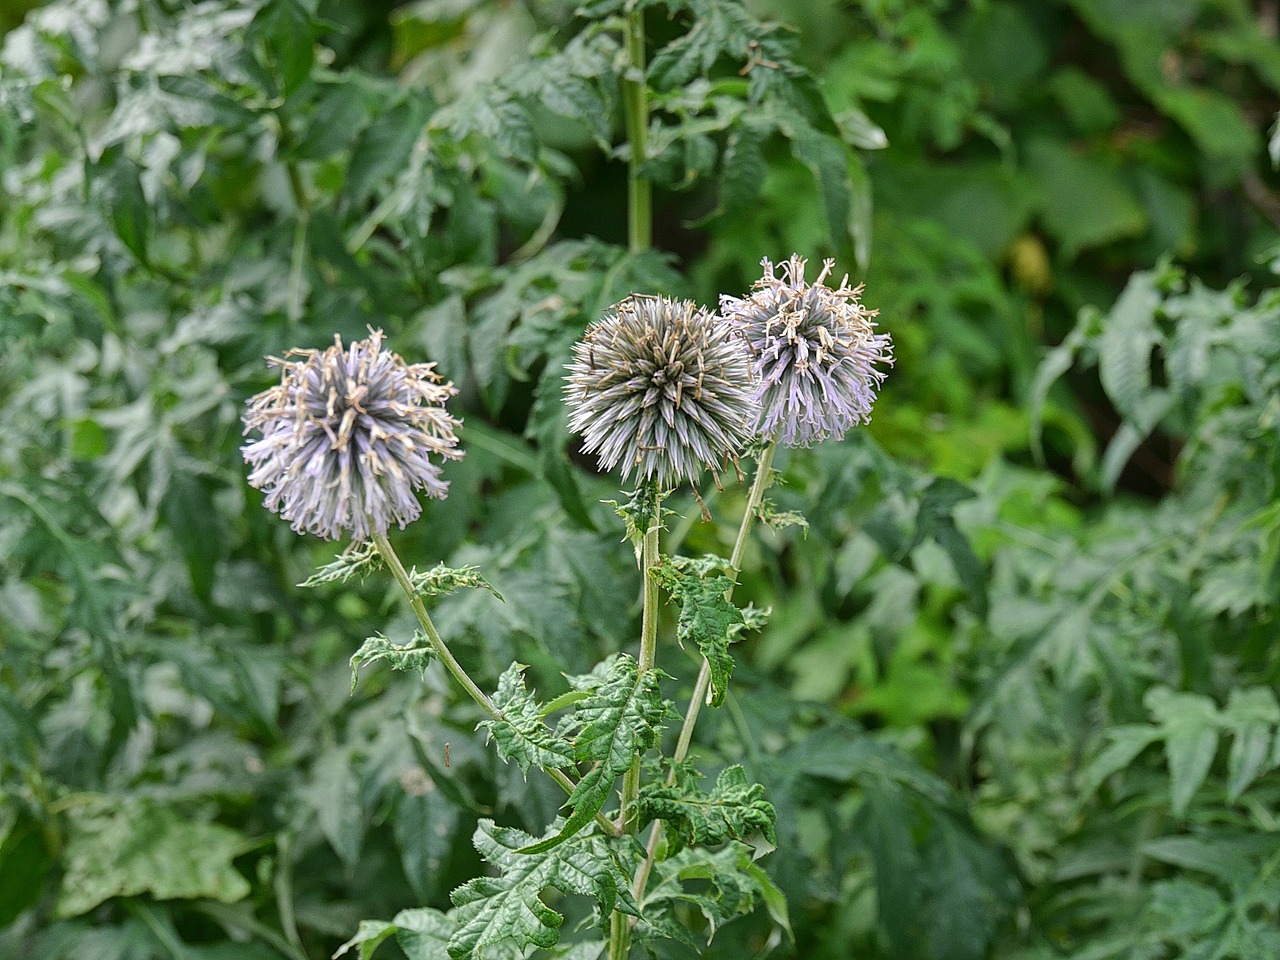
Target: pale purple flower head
x,y
815,353
663,388
348,437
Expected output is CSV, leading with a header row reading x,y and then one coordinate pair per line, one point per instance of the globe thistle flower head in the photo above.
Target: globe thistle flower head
x,y
348,436
816,353
662,388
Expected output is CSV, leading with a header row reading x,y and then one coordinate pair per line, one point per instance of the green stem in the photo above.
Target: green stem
x,y
635,98
619,924
297,259
443,654
763,480
438,646
764,475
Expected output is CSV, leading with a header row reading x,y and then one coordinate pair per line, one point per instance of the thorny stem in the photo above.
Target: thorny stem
x,y
619,924
762,482
635,97
445,656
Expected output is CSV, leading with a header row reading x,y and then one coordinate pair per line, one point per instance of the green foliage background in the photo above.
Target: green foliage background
x,y
1017,698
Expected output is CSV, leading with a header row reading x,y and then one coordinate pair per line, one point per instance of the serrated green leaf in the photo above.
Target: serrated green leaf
x,y
415,655
733,810
424,934
510,907
742,172
522,735
828,160
440,580
124,850
707,619
619,721
1129,334
721,29
638,514
722,884
769,514
367,939
1252,716
358,559
1189,725
1127,741
495,116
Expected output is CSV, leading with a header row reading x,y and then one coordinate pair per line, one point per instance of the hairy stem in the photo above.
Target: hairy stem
x,y
619,924
763,480
445,656
635,98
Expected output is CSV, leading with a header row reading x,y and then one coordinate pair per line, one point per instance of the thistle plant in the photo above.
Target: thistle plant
x,y
817,356
663,391
346,438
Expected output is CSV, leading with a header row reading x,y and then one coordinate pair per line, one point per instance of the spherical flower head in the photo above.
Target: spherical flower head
x,y
348,436
816,353
663,388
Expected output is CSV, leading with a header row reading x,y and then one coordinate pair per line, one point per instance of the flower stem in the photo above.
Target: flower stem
x,y
445,656
635,98
619,924
438,646
763,480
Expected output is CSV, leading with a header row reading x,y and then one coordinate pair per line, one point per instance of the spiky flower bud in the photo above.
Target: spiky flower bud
x,y
663,388
348,436
815,353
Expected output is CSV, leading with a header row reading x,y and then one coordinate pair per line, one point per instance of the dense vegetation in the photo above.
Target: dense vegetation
x,y
1017,695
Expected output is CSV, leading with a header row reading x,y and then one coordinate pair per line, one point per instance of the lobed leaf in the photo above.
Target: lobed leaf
x,y
620,720
1189,725
416,655
721,884
422,933
707,619
126,849
510,908
522,735
440,580
769,514
359,559
733,810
